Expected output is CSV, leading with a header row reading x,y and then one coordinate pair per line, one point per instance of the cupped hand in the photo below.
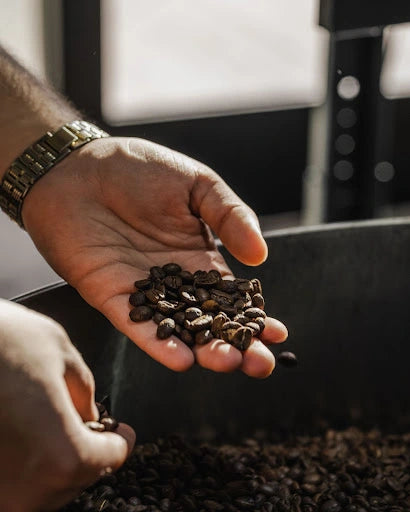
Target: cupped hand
x,y
114,208
47,393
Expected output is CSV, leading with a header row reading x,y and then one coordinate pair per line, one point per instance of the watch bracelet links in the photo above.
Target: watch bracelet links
x,y
36,160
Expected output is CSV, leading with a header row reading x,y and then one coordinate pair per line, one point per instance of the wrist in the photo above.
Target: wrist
x,y
36,160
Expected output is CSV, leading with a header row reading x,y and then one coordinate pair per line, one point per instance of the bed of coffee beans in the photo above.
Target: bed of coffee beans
x,y
200,306
337,471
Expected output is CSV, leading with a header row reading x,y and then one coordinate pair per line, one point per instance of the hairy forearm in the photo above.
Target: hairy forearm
x,y
28,109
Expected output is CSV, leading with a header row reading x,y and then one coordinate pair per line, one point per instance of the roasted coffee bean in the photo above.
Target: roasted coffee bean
x,y
258,301
210,305
227,286
229,329
242,338
171,269
186,276
202,294
137,298
179,317
255,313
287,358
192,313
206,280
165,328
187,337
219,320
199,324
157,273
141,314
158,317
143,284
173,282
109,423
168,307
241,319
203,337
222,298
154,295
260,321
95,425
254,327
244,285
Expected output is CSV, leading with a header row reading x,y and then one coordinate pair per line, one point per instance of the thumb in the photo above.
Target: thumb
x,y
105,450
230,218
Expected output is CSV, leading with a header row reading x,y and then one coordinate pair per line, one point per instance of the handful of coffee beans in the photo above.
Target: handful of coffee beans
x,y
198,307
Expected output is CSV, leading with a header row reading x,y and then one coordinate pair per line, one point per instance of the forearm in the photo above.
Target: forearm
x,y
28,109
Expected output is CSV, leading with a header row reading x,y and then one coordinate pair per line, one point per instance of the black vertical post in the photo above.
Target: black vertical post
x,y
351,163
82,55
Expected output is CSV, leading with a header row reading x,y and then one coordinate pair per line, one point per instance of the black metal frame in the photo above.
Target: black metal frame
x,y
248,150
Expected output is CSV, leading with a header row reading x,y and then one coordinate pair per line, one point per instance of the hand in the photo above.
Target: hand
x,y
118,206
46,393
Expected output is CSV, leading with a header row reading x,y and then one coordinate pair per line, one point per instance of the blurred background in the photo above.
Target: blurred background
x,y
302,106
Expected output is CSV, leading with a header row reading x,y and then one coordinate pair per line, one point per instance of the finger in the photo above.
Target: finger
x,y
128,433
218,356
81,386
258,361
274,331
232,220
171,352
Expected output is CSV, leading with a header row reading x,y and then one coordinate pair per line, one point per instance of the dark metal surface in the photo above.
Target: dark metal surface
x,y
352,14
343,291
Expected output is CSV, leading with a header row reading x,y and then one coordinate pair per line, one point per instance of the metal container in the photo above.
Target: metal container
x,y
343,291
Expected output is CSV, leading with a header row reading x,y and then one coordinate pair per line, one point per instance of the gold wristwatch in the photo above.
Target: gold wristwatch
x,y
38,159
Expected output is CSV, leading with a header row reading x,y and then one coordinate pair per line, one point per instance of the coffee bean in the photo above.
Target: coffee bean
x,y
258,301
158,317
222,298
260,321
199,324
254,327
254,313
257,286
192,313
171,269
187,337
202,294
207,280
179,317
157,273
242,338
143,284
173,282
154,295
165,328
229,329
167,307
203,337
137,298
110,423
210,305
227,286
244,285
141,313
287,358
186,276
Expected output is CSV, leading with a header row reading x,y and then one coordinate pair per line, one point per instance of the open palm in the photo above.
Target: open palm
x,y
111,210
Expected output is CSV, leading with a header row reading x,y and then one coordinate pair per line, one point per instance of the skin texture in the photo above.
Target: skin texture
x,y
114,208
47,392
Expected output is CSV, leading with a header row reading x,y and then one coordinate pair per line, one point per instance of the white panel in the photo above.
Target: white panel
x,y
167,59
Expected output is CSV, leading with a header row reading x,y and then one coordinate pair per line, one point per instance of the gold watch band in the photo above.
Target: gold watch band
x,y
38,159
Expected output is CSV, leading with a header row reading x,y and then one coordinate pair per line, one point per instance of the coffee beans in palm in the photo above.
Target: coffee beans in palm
x,y
199,306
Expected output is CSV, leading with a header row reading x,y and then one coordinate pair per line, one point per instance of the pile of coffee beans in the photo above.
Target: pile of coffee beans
x,y
338,471
105,423
200,306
